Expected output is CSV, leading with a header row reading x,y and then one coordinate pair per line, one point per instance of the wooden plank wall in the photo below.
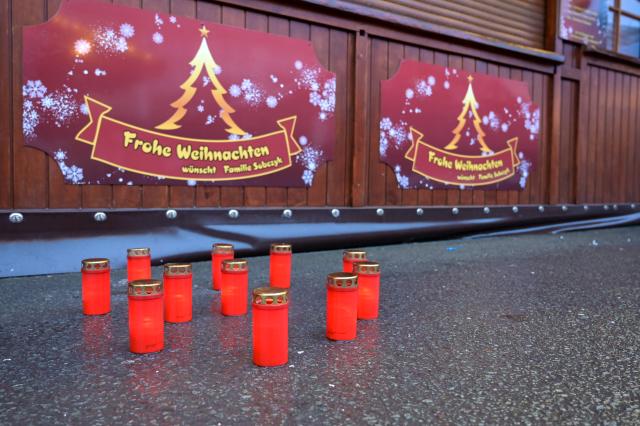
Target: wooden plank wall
x,y
590,140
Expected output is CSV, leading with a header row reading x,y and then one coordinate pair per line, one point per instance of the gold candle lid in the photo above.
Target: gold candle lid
x,y
340,280
366,267
281,248
177,269
144,288
138,252
95,264
354,255
222,248
235,265
270,296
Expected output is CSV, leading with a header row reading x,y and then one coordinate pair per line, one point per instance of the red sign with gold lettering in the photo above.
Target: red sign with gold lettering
x,y
442,127
122,95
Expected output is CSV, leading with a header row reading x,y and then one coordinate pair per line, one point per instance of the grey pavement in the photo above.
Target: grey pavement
x,y
524,329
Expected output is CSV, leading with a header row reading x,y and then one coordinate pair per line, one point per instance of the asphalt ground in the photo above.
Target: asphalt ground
x,y
523,329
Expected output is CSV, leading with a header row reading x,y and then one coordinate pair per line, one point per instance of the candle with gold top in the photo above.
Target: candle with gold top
x,y
146,316
342,305
350,256
368,288
138,264
178,290
96,286
235,287
219,252
270,309
280,265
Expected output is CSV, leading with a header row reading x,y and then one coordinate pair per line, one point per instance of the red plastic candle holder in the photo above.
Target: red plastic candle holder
x,y
368,289
270,310
178,288
351,256
219,252
138,264
235,287
342,305
146,316
96,287
280,265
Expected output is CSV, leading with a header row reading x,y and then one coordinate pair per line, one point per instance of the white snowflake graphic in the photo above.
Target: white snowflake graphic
x,y
235,90
82,47
272,102
60,155
157,38
34,89
127,30
74,174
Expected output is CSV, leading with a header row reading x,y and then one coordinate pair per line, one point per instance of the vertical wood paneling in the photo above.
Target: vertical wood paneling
x,y
30,166
337,185
6,108
377,169
393,194
295,196
317,193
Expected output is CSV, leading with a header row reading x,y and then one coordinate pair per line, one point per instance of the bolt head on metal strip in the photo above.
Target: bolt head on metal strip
x,y
541,209
455,210
380,212
606,207
419,212
585,207
514,209
633,206
100,216
565,208
233,214
615,207
171,214
486,210
16,217
287,213
335,213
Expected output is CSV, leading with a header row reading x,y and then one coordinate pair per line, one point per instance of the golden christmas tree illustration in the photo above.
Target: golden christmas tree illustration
x,y
203,61
469,101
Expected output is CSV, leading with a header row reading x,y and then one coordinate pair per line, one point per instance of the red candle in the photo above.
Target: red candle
x,y
96,287
342,305
280,265
177,292
138,264
146,316
350,256
219,253
368,288
270,310
235,287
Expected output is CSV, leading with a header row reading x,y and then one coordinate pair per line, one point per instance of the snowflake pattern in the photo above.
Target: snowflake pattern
x,y
127,30
34,89
396,135
108,41
157,38
310,158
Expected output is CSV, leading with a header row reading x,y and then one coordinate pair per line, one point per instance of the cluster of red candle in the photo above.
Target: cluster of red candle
x,y
351,295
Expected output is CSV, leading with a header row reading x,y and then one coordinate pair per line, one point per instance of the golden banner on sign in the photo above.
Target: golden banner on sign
x,y
153,153
456,169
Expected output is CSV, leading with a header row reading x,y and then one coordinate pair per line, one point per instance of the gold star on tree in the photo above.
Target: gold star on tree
x,y
204,32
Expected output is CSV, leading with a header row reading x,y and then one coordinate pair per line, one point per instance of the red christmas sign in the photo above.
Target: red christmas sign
x,y
122,95
442,127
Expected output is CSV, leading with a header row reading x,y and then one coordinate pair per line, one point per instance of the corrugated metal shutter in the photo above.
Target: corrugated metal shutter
x,y
519,22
